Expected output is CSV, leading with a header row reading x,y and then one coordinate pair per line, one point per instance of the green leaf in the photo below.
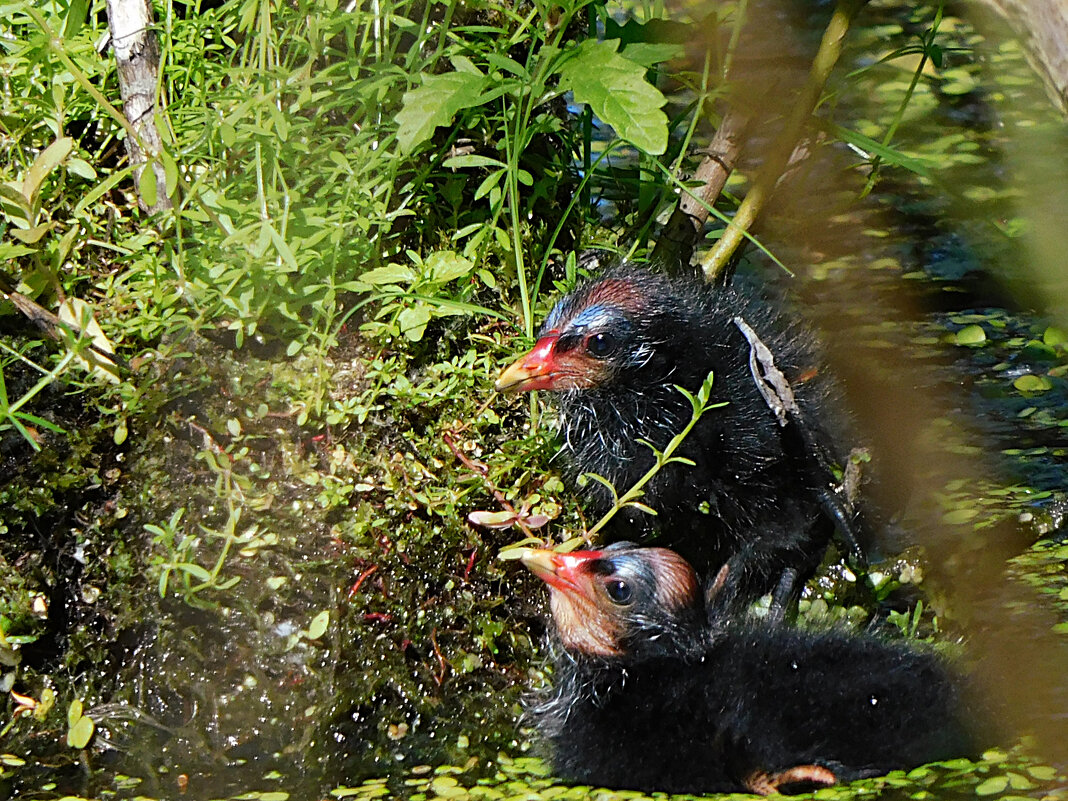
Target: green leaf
x,y
472,161
194,570
146,185
82,168
74,711
488,183
1032,383
1054,336
390,274
1043,773
319,625
993,785
464,64
959,516
79,735
649,53
9,251
616,89
170,172
31,235
971,335
507,65
445,266
101,189
434,104
887,154
413,322
282,247
50,158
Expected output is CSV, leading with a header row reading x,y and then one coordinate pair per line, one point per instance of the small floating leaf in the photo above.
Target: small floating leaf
x,y
971,335
1054,336
993,785
1032,383
1043,772
958,516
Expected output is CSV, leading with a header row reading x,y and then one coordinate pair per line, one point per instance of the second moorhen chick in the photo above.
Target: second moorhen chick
x,y
761,493
650,695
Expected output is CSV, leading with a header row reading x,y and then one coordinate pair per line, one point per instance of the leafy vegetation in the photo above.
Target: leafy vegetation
x,y
242,438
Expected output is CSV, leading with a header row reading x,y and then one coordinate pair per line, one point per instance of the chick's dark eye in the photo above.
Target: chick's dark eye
x,y
601,345
618,591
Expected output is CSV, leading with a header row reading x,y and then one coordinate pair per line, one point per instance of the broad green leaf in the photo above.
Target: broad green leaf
x,y
319,625
9,251
390,274
74,711
616,89
649,53
79,735
445,266
435,103
1054,336
413,322
992,786
82,168
959,516
464,64
508,65
488,184
971,335
1032,383
31,235
194,570
15,207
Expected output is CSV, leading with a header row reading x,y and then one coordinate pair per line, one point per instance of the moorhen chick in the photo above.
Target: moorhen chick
x,y
649,694
762,493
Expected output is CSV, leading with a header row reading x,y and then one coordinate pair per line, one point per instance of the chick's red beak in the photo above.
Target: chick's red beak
x,y
582,620
563,571
536,369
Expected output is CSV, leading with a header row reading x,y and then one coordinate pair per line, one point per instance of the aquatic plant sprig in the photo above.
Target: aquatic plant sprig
x,y
631,498
700,404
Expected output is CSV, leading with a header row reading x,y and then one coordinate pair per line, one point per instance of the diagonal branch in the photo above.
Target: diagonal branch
x,y
826,57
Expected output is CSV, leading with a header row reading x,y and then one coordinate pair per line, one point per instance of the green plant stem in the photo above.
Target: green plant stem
x,y
736,33
928,40
826,57
700,406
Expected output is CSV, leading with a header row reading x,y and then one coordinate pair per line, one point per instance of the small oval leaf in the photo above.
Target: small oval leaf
x,y
319,625
1032,383
971,335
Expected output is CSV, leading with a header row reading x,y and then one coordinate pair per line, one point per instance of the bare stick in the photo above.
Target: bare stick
x,y
676,243
137,56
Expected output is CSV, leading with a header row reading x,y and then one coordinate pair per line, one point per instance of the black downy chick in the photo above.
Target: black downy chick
x,y
650,695
762,494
